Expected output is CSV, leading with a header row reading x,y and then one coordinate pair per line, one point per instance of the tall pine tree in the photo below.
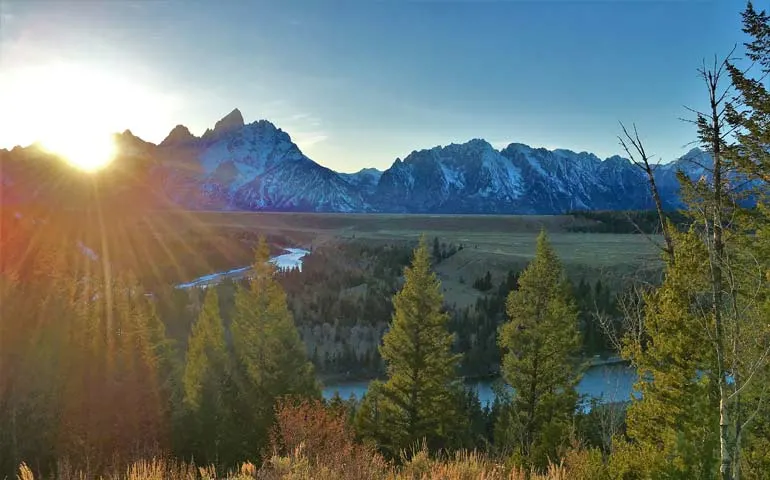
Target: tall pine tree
x,y
708,341
417,402
676,401
271,359
206,377
540,344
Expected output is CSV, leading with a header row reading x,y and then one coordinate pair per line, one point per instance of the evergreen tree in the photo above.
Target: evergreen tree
x,y
707,341
540,343
368,421
750,115
676,403
271,358
417,401
436,250
206,373
113,408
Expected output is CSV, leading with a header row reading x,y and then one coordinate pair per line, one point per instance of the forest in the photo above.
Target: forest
x,y
101,377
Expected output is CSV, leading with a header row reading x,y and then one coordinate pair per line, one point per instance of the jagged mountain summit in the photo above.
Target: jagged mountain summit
x,y
231,122
252,166
458,178
476,178
257,166
179,135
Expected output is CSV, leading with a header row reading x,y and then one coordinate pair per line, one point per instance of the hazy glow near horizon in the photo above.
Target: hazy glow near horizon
x,y
70,109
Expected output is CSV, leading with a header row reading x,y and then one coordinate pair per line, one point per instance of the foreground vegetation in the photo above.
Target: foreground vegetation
x,y
92,382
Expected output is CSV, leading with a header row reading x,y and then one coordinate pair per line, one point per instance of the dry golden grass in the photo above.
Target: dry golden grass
x,y
311,441
299,466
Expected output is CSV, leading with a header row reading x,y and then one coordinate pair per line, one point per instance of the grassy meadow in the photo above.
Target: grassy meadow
x,y
491,242
171,247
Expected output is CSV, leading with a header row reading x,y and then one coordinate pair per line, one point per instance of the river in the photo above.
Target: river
x,y
291,259
605,383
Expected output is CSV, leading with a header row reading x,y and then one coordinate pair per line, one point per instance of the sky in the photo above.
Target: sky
x,y
358,83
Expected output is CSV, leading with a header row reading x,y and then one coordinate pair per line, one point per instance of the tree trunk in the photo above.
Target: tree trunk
x,y
725,468
717,257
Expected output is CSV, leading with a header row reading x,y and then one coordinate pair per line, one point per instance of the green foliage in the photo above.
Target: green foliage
x,y
83,369
206,354
484,283
675,401
265,339
540,343
269,356
416,401
206,380
750,116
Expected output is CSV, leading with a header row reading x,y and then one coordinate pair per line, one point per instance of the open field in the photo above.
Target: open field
x,y
175,247
510,237
494,243
381,224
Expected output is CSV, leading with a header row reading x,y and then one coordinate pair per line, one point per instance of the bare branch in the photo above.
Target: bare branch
x,y
644,164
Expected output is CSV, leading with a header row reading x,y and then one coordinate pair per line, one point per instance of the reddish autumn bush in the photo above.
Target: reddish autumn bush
x,y
324,436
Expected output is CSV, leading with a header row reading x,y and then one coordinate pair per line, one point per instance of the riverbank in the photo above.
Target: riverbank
x,y
291,259
342,378
606,383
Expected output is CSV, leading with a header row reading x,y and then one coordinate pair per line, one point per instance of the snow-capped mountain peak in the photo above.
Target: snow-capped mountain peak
x,y
231,122
257,166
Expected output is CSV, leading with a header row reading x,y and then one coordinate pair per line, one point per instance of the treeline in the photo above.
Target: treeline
x,y
476,327
341,302
633,221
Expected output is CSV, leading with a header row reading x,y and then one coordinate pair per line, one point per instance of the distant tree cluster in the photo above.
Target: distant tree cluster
x,y
483,284
637,221
442,251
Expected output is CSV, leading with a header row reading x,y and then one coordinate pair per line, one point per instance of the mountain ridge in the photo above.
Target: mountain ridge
x,y
257,166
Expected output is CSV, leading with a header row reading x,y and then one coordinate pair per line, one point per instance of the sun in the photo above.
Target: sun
x,y
73,110
88,154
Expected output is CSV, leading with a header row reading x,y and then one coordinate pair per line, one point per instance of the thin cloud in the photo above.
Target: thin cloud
x,y
298,116
307,140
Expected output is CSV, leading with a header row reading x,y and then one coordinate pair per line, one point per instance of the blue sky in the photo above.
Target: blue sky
x,y
358,83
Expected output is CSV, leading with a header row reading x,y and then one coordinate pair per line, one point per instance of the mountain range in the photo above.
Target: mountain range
x,y
256,166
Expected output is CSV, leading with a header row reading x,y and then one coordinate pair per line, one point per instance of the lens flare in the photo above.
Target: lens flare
x,y
88,154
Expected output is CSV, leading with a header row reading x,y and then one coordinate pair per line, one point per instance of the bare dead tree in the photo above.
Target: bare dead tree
x,y
634,148
711,129
734,287
631,332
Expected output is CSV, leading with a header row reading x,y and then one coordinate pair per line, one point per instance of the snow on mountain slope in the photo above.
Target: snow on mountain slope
x,y
475,178
460,178
256,166
365,179
253,167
